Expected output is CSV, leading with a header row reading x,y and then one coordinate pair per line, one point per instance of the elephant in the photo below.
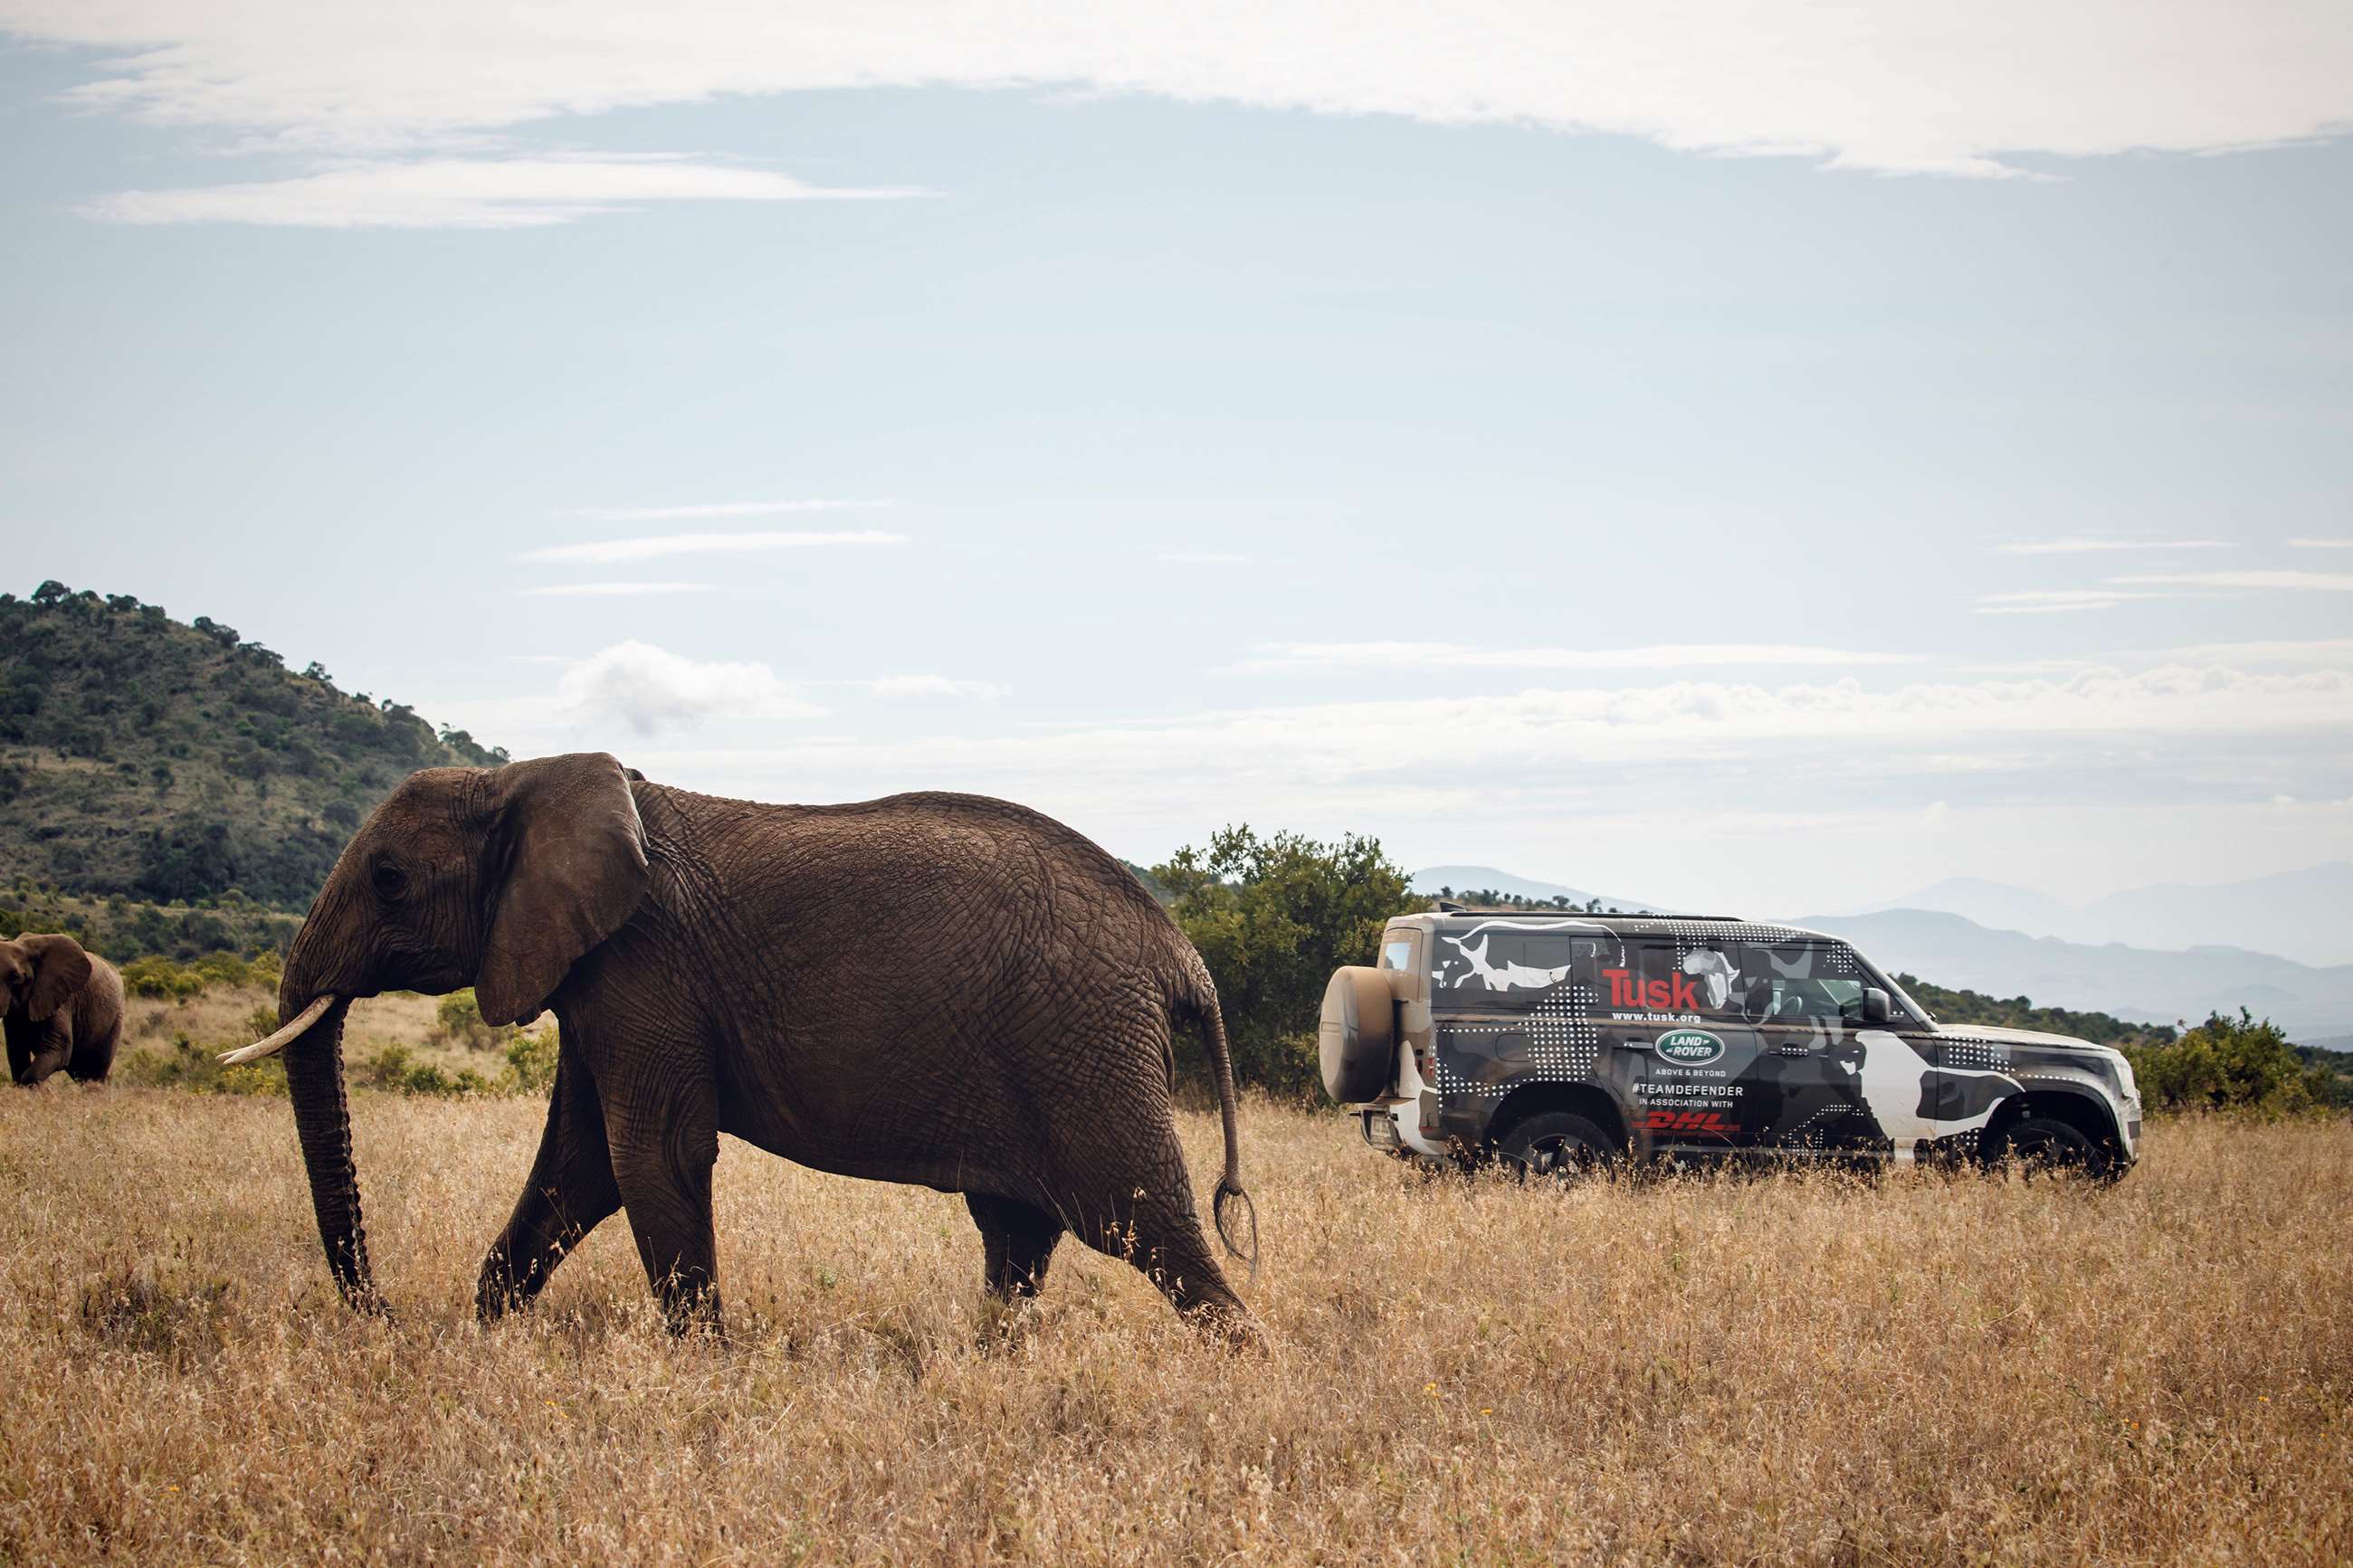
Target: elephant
x,y
65,1009
937,989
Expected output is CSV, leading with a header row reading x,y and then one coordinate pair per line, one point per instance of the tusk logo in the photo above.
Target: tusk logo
x,y
1692,1047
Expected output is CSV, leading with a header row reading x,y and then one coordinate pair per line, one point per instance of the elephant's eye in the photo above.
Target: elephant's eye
x,y
389,880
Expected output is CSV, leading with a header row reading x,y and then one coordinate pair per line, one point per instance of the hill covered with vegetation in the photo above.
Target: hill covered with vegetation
x,y
2018,1013
181,763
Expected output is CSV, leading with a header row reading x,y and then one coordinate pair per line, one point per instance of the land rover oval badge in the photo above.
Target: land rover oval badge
x,y
1692,1047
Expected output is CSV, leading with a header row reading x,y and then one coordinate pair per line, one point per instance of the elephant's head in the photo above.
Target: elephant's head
x,y
41,974
497,877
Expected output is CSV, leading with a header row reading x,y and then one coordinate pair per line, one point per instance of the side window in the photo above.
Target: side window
x,y
1802,982
1494,965
1396,952
1648,977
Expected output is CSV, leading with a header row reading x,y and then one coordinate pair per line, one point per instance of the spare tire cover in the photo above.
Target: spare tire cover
x,y
1357,1037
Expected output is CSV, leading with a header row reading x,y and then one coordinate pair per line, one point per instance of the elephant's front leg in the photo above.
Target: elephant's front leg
x,y
661,1122
37,1053
571,1189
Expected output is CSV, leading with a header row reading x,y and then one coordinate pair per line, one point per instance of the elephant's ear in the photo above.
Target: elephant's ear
x,y
574,858
61,969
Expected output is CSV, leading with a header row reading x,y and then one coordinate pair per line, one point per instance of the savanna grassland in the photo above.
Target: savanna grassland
x,y
1921,1368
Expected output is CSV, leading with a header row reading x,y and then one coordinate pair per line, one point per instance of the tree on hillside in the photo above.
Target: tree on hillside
x,y
1273,917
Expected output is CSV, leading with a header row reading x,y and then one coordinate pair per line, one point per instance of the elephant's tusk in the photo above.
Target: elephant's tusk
x,y
286,1032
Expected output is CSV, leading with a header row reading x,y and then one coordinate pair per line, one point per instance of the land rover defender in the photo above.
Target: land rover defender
x,y
1561,1042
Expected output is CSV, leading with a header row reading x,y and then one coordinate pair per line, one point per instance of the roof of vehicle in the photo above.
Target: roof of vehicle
x,y
1717,927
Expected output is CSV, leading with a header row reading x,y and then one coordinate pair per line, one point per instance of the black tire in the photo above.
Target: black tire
x,y
1558,1146
2046,1146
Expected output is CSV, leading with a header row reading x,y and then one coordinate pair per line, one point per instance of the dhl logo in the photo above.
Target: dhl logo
x,y
1708,1122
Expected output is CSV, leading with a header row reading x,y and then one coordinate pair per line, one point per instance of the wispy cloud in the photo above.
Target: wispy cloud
x,y
2051,601
651,689
606,552
1201,558
1270,657
1347,752
1921,89
464,193
2321,543
706,511
2305,581
596,589
932,685
2058,600
2088,546
2316,651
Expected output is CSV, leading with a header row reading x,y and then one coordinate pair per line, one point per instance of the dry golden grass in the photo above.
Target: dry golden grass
x,y
1764,1370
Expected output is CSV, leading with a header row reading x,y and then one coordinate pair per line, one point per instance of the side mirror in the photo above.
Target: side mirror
x,y
1875,1009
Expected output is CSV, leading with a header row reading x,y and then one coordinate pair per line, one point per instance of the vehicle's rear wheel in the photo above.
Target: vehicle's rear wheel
x,y
1558,1146
2046,1146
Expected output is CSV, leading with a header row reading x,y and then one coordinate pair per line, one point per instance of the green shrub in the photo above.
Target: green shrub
x,y
531,1061
189,1065
2226,1064
1272,918
160,977
459,1020
395,1068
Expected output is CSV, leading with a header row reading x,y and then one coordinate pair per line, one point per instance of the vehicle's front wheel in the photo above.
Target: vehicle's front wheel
x,y
1558,1146
2046,1146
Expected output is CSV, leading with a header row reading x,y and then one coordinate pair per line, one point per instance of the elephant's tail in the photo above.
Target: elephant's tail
x,y
1199,999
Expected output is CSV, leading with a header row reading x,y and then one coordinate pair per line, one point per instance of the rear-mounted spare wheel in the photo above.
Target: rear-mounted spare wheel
x,y
1358,1035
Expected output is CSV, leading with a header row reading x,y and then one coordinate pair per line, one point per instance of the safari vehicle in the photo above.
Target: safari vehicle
x,y
1560,1043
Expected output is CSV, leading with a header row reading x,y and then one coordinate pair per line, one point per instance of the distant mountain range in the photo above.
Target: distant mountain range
x,y
2312,1003
2146,983
2301,915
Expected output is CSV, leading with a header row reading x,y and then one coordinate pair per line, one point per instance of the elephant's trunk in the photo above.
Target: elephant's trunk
x,y
322,1120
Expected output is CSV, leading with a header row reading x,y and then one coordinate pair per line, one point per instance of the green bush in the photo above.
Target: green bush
x,y
157,976
160,977
1273,917
191,1067
394,1068
530,1062
2230,1064
459,1020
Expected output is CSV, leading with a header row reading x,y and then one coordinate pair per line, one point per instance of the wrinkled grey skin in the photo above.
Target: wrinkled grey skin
x,y
937,989
65,1009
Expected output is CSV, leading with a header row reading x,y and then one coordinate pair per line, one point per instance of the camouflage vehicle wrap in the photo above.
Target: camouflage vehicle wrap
x,y
1686,1037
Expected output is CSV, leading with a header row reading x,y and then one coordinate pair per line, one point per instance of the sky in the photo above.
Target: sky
x,y
1765,458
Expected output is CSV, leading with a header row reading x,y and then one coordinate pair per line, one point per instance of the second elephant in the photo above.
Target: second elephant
x,y
65,1009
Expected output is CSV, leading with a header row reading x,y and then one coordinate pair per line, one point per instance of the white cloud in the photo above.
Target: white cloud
x,y
2085,546
2311,582
1200,558
1272,658
932,685
2051,601
711,510
2321,543
1510,756
462,193
651,689
606,552
2312,651
1943,89
568,590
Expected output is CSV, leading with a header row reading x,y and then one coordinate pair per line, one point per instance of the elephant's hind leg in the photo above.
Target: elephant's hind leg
x,y
571,1189
1150,1220
1017,1243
